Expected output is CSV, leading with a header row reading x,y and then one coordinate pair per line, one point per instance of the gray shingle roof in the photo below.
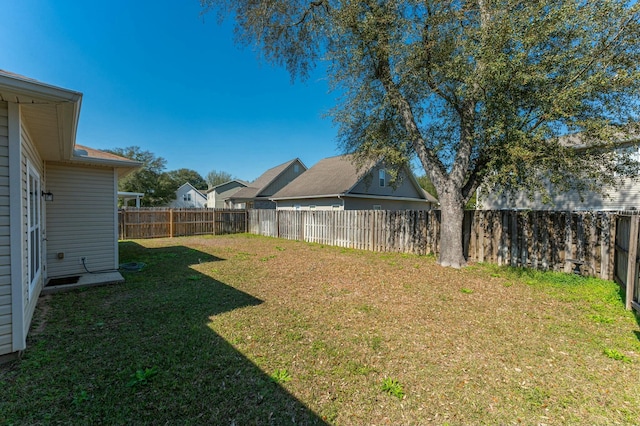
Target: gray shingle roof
x,y
330,176
264,180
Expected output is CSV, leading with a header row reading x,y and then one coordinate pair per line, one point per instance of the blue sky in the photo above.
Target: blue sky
x,y
160,75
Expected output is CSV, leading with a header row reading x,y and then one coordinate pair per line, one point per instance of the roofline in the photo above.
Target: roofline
x,y
306,197
348,195
106,161
126,194
28,86
192,187
66,101
228,182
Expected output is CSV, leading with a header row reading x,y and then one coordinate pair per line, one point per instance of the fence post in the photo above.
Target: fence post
x,y
171,223
123,224
568,243
631,265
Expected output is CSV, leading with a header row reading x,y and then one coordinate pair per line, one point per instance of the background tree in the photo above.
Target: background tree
x,y
181,176
215,177
479,91
158,188
426,184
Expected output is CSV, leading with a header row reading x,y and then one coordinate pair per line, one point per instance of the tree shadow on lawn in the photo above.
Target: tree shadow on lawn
x,y
142,352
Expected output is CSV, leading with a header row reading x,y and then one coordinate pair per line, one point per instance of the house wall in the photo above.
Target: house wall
x,y
81,219
370,185
369,203
197,199
281,181
6,345
347,203
306,204
29,154
216,198
262,204
625,197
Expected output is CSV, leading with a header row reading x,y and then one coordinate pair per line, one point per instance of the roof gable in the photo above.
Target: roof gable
x,y
232,184
266,180
186,187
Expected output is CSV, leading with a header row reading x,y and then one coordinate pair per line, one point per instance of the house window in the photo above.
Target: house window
x,y
34,221
296,168
383,178
187,197
312,207
377,207
336,207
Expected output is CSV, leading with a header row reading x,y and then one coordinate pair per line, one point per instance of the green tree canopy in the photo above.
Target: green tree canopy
x,y
181,176
151,180
479,91
215,177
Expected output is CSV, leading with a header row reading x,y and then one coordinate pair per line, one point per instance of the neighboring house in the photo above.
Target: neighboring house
x,y
626,196
188,197
257,195
336,184
58,202
218,196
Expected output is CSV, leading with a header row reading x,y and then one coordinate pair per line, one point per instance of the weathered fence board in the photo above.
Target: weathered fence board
x,y
162,222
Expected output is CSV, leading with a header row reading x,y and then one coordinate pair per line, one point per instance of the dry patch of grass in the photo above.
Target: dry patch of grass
x,y
248,329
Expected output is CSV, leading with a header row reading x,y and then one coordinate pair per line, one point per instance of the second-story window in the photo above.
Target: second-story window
x,y
383,178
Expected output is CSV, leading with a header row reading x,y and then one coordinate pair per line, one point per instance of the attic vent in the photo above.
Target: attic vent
x,y
80,152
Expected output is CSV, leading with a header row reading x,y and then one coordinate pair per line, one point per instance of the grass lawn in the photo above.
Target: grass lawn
x,y
252,330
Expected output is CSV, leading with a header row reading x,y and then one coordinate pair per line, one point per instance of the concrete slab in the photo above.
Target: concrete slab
x,y
87,280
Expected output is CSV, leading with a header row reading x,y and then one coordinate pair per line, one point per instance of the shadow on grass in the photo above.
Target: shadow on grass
x,y
142,352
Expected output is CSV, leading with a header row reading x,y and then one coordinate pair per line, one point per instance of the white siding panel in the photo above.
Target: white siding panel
x,y
5,229
624,197
80,219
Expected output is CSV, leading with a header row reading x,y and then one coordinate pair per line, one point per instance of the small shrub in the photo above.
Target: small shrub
x,y
141,377
618,356
601,319
281,376
392,387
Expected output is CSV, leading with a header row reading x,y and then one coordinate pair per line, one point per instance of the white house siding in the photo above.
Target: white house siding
x,y
195,198
80,219
5,255
30,154
625,197
283,180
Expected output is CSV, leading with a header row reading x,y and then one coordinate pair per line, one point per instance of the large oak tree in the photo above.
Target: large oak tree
x,y
478,91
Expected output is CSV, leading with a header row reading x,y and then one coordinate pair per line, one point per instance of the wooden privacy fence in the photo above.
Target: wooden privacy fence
x,y
580,242
163,222
626,258
377,230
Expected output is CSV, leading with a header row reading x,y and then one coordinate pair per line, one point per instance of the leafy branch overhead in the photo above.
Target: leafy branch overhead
x,y
478,92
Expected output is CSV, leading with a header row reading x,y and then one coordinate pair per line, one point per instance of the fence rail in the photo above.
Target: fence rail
x,y
155,222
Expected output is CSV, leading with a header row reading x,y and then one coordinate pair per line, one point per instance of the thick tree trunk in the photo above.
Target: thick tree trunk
x,y
451,247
